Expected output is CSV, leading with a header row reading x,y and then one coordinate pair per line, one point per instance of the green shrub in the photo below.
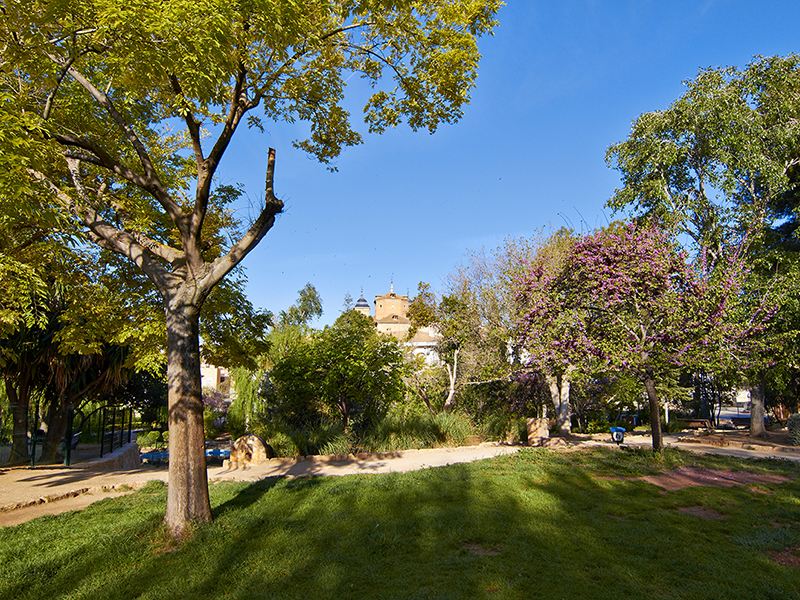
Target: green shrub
x,y
401,432
236,420
598,427
605,426
504,426
423,430
281,443
398,430
794,429
455,427
341,444
673,426
628,426
149,439
294,441
209,429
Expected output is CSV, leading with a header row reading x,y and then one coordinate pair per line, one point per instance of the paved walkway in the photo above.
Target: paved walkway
x,y
27,493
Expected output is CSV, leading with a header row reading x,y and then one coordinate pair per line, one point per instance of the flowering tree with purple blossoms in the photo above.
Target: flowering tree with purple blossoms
x,y
626,299
560,336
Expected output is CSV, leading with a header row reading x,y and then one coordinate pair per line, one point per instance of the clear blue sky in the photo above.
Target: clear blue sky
x,y
559,82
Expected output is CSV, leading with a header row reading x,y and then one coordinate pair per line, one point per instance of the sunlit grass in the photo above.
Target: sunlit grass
x,y
535,525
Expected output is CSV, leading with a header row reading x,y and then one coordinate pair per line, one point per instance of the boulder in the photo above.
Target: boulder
x,y
250,450
538,431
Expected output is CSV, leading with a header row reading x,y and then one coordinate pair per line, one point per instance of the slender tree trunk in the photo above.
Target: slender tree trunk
x,y
655,413
757,394
345,414
19,399
451,373
187,495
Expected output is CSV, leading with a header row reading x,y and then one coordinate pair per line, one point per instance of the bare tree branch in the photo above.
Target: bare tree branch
x,y
272,206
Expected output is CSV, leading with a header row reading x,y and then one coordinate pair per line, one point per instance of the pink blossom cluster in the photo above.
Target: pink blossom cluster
x,y
627,298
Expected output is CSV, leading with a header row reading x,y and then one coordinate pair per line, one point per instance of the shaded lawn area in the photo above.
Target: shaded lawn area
x,y
537,524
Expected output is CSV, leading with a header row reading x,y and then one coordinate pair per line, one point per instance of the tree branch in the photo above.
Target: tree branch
x,y
152,181
236,109
97,156
272,206
48,106
141,250
191,124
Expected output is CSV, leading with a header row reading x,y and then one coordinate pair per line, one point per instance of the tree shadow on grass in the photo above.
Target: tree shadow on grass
x,y
536,525
231,496
396,535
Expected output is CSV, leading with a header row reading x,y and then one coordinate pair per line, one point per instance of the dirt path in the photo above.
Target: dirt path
x,y
77,502
29,493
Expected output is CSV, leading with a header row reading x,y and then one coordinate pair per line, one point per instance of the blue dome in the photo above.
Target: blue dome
x,y
362,303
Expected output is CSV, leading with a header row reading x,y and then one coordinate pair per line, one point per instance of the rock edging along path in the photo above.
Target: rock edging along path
x,y
720,440
21,487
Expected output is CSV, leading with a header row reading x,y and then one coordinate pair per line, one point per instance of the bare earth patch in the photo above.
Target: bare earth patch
x,y
702,512
686,477
479,550
788,558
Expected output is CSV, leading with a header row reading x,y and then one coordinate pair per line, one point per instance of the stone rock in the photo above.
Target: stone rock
x,y
250,450
555,443
538,430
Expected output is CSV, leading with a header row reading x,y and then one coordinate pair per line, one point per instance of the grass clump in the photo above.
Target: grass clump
x,y
537,524
395,431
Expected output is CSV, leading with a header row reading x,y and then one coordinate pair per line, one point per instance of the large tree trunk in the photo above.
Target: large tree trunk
x,y
56,427
187,494
19,399
757,393
559,392
655,414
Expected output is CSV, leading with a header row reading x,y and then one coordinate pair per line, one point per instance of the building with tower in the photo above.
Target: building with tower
x,y
391,312
391,318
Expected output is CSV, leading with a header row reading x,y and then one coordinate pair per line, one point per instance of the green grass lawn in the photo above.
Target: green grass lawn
x,y
535,525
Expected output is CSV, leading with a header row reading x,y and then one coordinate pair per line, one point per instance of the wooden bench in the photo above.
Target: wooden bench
x,y
695,423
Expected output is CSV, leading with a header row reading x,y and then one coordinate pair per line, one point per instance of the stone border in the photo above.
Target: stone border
x,y
122,487
361,456
121,459
723,443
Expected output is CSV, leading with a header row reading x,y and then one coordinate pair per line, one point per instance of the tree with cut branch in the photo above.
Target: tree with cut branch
x,y
103,85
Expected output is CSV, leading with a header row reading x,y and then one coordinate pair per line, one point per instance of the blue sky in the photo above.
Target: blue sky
x,y
559,82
